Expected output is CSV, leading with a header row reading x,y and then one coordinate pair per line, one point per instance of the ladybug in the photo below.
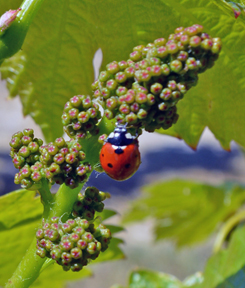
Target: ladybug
x,y
120,156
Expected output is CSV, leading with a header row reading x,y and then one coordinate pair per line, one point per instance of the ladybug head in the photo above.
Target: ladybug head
x,y
120,136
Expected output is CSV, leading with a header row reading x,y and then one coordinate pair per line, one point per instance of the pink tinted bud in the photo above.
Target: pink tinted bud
x,y
7,18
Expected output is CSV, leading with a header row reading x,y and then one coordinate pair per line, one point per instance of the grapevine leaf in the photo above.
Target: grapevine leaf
x,y
14,243
56,59
185,211
227,268
26,207
152,279
211,102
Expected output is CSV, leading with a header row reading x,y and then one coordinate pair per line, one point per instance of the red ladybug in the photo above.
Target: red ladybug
x,y
120,156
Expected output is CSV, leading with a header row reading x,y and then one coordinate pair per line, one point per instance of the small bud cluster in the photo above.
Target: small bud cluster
x,y
77,241
73,243
144,90
64,162
26,157
80,116
87,204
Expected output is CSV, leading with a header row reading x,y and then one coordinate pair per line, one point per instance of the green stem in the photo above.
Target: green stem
x,y
28,269
11,41
227,227
64,201
47,198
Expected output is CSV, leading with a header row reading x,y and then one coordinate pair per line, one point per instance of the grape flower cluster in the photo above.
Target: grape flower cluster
x,y
64,162
143,91
77,241
80,116
25,155
59,161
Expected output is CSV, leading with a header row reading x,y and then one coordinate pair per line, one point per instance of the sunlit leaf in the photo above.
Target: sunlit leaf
x,y
187,212
56,59
19,206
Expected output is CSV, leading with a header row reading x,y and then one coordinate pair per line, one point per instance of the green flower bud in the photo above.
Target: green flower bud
x,y
165,69
124,108
73,113
195,41
111,84
76,101
55,254
163,106
156,88
176,66
91,248
82,244
76,267
76,253
135,55
111,103
113,67
121,77
160,42
24,151
15,143
66,245
172,48
166,94
41,252
104,76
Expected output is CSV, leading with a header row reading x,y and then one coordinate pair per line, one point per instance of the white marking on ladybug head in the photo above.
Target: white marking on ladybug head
x,y
116,134
129,136
121,147
111,135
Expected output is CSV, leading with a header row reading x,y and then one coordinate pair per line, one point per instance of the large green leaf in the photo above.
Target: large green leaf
x,y
217,100
188,212
19,207
56,59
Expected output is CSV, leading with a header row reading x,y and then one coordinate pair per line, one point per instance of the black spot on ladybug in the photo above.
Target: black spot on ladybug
x,y
127,165
102,155
110,165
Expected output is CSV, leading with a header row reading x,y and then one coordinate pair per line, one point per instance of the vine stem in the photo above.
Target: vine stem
x,y
227,227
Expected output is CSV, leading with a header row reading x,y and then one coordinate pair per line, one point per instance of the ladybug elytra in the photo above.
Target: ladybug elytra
x,y
120,156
